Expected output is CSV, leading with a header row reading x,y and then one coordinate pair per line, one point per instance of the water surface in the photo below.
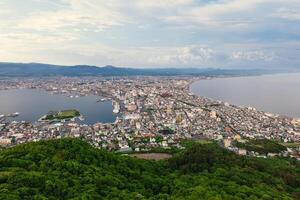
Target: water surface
x,y
32,104
279,94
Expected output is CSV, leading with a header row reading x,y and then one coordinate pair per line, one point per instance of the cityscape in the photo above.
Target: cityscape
x,y
153,112
149,100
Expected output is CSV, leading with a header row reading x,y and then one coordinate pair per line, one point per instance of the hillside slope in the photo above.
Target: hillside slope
x,y
72,169
38,69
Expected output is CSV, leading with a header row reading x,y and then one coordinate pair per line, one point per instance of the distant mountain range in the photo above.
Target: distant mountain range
x,y
38,69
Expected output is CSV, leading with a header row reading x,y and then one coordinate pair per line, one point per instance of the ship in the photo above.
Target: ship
x,y
13,114
81,118
116,107
103,99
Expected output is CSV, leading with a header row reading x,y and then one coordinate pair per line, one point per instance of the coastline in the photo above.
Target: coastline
x,y
220,100
148,106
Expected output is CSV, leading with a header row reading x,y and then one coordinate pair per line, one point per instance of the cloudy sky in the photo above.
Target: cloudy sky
x,y
152,33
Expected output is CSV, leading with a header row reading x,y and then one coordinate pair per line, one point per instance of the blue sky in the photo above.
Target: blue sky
x,y
152,33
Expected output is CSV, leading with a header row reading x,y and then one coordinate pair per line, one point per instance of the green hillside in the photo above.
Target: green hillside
x,y
72,169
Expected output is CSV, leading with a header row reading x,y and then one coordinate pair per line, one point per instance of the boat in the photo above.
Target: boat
x,y
81,118
13,114
102,100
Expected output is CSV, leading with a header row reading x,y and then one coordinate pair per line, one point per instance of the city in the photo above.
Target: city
x,y
149,100
153,112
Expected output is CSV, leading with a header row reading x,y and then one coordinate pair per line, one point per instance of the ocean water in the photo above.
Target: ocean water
x,y
32,104
278,94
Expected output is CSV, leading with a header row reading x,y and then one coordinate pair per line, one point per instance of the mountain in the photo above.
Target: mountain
x,y
72,169
38,69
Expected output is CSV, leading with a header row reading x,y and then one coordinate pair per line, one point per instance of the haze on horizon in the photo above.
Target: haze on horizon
x,y
152,33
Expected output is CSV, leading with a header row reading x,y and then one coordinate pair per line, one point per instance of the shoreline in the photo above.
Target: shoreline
x,y
149,106
241,106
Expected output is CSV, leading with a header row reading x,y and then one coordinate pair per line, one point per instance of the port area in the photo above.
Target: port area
x,y
16,114
3,117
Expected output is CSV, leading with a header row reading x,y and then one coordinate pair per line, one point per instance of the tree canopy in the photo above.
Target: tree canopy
x,y
72,169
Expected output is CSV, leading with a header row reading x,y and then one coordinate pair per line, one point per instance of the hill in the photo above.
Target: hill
x,y
38,69
72,169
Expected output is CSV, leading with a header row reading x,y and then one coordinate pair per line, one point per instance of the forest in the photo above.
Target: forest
x,y
72,169
262,146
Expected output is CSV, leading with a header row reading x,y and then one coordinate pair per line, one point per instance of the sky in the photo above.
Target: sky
x,y
152,33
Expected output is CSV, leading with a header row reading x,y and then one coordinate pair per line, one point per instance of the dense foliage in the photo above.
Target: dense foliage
x,y
262,146
65,114
72,169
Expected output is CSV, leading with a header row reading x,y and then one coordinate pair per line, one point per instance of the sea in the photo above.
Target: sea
x,y
33,103
276,93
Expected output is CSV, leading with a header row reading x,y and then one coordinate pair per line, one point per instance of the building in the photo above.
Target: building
x,y
227,143
242,152
131,107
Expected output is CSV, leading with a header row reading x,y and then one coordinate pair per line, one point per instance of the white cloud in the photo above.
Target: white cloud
x,y
212,13
183,32
78,14
257,55
159,4
289,13
228,14
194,54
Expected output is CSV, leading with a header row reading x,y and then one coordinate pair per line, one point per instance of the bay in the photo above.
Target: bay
x,y
32,104
278,93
